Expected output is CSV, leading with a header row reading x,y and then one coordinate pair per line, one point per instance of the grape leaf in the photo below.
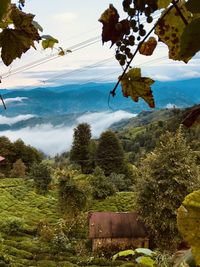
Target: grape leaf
x,y
188,219
163,3
4,7
147,48
190,39
13,43
113,29
193,6
48,41
135,86
170,29
23,21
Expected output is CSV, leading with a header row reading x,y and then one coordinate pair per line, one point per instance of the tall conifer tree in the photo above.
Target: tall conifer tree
x,y
80,152
110,154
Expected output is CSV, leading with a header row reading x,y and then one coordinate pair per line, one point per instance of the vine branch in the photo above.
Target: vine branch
x,y
113,92
4,105
179,12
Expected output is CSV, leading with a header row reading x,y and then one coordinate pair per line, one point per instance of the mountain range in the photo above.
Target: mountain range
x,y
63,104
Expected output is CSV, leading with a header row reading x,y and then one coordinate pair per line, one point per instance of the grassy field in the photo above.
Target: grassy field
x,y
23,211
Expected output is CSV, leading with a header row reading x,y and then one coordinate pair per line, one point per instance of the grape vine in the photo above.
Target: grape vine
x,y
174,28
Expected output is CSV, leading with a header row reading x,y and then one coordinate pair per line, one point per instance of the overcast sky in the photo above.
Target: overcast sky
x,y
73,22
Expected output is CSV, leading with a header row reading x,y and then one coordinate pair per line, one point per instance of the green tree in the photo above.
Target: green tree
x,y
72,198
168,174
19,169
101,184
110,155
80,151
41,174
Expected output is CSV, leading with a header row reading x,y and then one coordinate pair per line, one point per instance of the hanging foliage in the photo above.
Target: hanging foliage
x,y
135,86
188,218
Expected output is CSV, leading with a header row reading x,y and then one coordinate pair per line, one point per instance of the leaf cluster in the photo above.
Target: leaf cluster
x,y
178,27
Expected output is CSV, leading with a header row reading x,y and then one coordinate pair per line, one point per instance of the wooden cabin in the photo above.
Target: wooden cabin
x,y
117,229
1,159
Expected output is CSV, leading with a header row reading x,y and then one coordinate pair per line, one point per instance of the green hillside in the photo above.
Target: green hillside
x,y
22,215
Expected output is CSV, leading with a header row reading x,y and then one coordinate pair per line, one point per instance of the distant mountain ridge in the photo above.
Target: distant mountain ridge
x,y
93,97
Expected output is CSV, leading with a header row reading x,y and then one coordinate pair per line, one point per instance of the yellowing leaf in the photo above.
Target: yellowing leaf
x,y
163,3
190,39
188,218
170,30
147,48
3,7
49,41
14,43
135,86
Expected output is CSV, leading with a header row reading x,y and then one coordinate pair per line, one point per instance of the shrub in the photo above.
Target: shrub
x,y
41,174
102,186
12,225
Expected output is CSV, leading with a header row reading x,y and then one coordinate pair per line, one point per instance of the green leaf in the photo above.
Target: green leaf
x,y
146,261
188,219
145,251
163,3
14,43
190,39
170,30
4,7
123,253
135,86
48,41
193,6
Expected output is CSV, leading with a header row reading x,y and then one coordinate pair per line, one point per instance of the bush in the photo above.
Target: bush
x,y
102,186
41,174
12,225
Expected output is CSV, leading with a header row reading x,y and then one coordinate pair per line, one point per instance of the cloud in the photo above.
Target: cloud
x,y
55,140
171,106
101,121
13,120
66,17
14,100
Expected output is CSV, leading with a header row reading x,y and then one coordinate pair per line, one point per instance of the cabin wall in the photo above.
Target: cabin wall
x,y
121,243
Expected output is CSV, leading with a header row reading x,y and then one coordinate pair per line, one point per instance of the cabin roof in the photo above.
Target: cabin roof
x,y
116,225
2,158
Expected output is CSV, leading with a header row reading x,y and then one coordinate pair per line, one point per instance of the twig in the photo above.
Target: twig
x,y
4,105
113,92
179,12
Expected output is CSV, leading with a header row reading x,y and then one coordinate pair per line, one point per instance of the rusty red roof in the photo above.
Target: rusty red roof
x,y
116,225
2,158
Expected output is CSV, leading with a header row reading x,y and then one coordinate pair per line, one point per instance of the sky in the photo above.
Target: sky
x,y
72,23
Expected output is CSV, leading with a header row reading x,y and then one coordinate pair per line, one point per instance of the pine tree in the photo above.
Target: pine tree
x,y
168,174
110,155
80,152
18,170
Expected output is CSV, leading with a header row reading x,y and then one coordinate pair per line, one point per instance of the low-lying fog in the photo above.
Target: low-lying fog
x,y
55,140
